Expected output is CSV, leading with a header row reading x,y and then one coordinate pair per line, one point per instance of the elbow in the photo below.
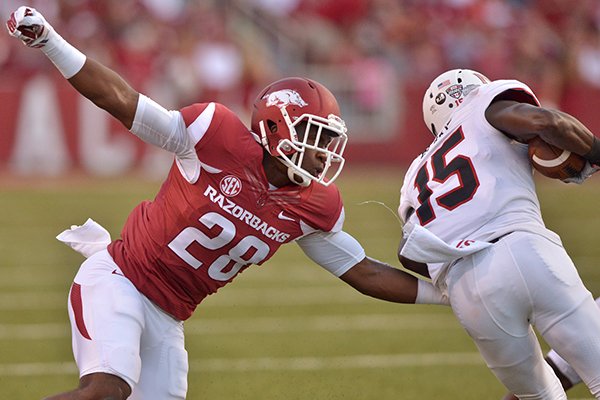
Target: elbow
x,y
364,277
120,102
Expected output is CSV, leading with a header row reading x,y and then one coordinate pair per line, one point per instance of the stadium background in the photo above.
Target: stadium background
x,y
377,56
292,332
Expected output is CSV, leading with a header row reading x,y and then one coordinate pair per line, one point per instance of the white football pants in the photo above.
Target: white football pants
x,y
117,330
523,280
563,366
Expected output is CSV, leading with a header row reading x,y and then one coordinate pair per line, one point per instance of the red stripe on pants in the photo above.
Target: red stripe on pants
x,y
77,305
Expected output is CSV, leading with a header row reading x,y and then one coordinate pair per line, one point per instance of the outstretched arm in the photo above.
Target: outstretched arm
x,y
106,89
101,85
382,281
344,257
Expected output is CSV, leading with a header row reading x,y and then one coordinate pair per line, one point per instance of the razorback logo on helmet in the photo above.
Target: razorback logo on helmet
x,y
285,97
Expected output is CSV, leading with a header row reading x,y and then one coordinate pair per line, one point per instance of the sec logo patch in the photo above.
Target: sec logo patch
x,y
230,185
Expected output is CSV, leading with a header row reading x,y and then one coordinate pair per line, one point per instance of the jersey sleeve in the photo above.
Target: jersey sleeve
x,y
220,139
322,210
509,89
198,120
206,134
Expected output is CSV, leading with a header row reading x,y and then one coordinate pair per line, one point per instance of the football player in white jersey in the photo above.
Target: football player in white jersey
x,y
232,197
565,373
472,222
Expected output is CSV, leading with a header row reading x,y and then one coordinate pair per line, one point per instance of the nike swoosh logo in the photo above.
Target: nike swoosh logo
x,y
284,217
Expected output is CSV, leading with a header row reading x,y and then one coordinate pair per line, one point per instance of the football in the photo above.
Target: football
x,y
553,162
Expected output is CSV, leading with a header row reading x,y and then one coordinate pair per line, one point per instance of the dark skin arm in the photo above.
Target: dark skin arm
x,y
382,281
107,90
523,122
414,266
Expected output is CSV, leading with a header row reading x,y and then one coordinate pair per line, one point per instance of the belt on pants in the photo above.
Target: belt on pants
x,y
499,237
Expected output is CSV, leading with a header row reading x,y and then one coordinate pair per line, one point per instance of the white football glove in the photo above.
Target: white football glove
x,y
587,171
29,26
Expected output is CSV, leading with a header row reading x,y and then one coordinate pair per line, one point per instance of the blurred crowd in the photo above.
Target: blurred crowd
x,y
182,51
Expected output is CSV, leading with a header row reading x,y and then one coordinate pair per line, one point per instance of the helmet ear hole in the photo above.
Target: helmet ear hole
x,y
272,126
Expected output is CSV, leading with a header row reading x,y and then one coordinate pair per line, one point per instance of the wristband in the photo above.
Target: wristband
x,y
67,59
593,156
429,294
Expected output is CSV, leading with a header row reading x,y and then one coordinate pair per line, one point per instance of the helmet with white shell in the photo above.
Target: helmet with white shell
x,y
446,94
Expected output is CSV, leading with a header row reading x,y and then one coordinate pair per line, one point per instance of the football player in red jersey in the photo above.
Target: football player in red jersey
x,y
232,197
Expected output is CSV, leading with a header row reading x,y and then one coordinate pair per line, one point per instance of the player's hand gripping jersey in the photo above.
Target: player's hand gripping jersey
x,y
460,170
215,214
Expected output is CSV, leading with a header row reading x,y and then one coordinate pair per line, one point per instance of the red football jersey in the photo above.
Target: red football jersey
x,y
196,237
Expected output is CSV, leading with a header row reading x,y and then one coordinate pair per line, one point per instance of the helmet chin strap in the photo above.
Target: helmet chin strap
x,y
296,178
293,174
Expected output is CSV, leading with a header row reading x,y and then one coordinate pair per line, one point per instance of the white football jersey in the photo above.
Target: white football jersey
x,y
473,182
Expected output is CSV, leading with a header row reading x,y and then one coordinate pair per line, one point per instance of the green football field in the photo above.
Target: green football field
x,y
286,330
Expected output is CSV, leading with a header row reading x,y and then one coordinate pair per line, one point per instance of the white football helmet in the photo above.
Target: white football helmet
x,y
446,93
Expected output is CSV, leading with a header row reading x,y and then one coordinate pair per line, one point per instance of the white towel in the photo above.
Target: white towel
x,y
86,239
425,247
